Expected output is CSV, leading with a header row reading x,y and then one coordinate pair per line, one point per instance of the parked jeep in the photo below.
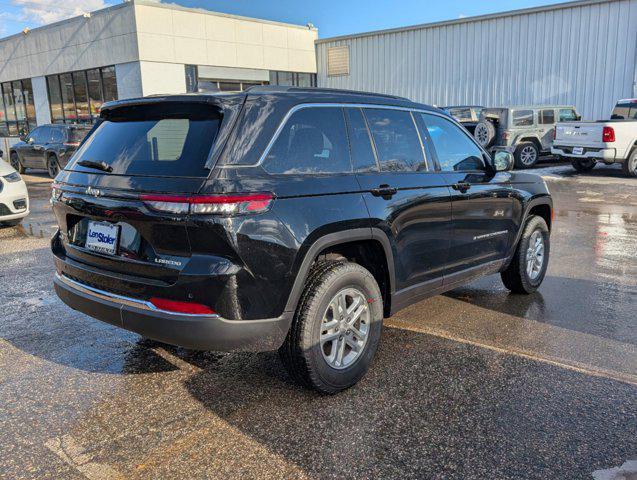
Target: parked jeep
x,y
526,131
286,218
466,115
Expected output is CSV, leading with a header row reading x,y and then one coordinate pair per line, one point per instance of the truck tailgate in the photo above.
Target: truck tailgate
x,y
579,134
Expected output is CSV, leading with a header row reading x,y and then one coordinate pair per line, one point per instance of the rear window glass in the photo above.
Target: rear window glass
x,y
625,111
312,141
567,115
522,118
168,141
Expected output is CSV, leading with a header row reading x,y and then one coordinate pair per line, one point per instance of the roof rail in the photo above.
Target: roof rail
x,y
286,89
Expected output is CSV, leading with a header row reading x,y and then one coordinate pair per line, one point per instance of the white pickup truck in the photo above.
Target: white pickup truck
x,y
608,141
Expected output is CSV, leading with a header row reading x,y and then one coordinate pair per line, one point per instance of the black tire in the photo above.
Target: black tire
x,y
302,352
526,155
14,160
52,166
630,165
515,277
584,165
484,133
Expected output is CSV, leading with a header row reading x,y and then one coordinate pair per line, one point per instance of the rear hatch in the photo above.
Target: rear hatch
x,y
579,134
110,200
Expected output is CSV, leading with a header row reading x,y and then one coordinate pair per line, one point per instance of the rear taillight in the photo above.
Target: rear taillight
x,y
190,308
235,204
608,135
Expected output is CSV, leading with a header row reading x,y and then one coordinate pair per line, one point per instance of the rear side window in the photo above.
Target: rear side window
x,y
522,118
313,141
455,150
57,135
567,115
396,139
166,140
363,157
546,117
76,134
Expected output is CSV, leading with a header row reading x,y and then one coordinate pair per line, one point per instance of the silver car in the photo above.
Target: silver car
x,y
525,131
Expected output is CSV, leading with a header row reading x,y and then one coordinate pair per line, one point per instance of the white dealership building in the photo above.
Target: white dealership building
x,y
581,53
63,72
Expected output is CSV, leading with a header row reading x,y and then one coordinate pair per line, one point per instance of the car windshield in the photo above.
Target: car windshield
x,y
171,141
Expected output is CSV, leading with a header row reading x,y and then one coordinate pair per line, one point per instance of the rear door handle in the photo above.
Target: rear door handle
x,y
461,186
384,191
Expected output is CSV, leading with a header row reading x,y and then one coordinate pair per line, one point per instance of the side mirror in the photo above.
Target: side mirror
x,y
578,118
502,161
22,136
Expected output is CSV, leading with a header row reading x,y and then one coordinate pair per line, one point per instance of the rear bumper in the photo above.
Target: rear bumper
x,y
605,154
201,332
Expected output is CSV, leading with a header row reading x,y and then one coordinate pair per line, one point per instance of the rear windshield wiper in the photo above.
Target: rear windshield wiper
x,y
96,165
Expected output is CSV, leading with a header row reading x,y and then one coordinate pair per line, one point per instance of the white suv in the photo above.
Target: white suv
x,y
14,198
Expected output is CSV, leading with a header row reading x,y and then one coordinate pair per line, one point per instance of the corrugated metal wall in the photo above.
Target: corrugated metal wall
x,y
583,55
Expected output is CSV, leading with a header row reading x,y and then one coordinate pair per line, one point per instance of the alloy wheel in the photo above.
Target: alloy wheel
x,y
528,155
345,328
53,167
535,255
15,163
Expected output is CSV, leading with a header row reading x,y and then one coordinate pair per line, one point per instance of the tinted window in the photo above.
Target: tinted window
x,y
396,139
77,134
57,135
313,140
166,141
522,118
546,117
456,151
363,157
567,115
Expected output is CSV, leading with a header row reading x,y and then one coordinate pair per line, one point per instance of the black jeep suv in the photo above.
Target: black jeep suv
x,y
286,218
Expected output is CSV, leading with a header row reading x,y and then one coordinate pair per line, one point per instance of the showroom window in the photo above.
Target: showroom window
x,y
17,110
293,79
76,97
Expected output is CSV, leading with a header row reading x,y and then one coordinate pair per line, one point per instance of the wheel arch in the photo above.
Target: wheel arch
x,y
338,243
533,139
541,205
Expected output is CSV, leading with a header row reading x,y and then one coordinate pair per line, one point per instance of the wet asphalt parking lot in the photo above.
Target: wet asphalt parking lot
x,y
476,383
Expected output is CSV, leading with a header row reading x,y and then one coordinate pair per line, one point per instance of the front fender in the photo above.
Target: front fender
x,y
529,204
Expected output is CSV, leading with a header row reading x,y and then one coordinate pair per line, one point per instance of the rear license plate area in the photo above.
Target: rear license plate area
x,y
102,237
578,150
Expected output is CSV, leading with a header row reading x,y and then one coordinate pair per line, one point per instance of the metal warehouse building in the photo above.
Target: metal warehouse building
x,y
581,53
